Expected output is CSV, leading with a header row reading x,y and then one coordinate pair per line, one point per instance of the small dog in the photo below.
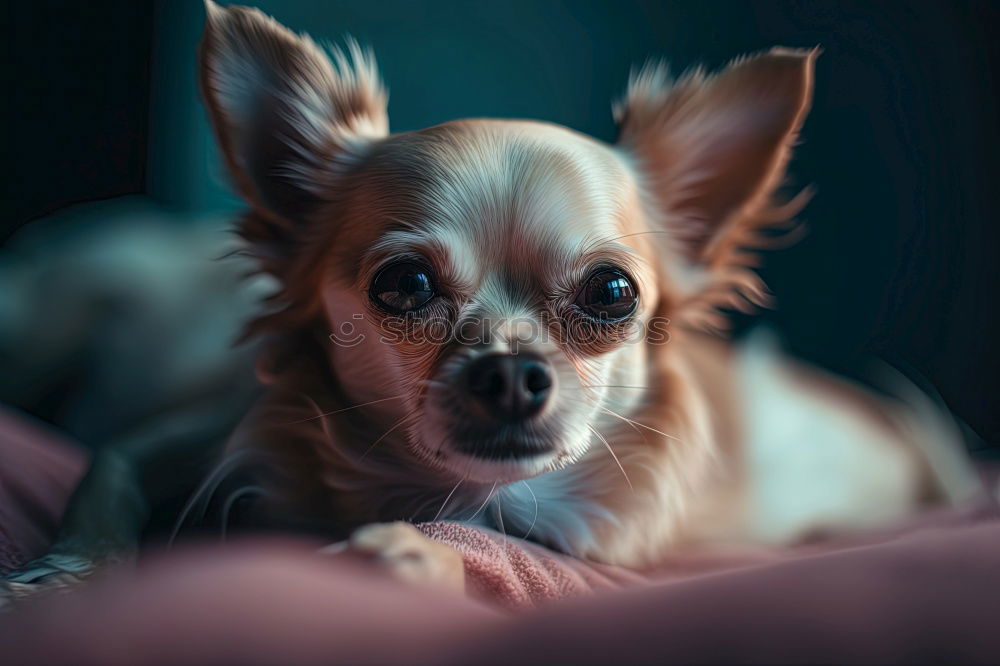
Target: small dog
x,y
549,400
519,317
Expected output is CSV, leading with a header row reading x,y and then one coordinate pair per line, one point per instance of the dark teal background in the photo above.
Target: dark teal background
x,y
902,142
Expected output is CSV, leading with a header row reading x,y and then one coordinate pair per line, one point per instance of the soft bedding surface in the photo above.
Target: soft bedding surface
x,y
924,592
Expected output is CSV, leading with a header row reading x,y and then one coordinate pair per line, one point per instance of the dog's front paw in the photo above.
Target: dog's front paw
x,y
409,556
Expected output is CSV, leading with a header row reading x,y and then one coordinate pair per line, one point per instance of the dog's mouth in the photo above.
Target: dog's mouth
x,y
505,447
506,453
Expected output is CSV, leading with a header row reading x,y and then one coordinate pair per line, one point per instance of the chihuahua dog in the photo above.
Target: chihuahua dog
x,y
500,292
510,323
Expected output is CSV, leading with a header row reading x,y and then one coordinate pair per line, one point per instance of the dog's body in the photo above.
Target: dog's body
x,y
572,398
637,438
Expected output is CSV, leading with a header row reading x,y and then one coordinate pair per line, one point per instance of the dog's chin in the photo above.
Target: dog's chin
x,y
502,460
501,470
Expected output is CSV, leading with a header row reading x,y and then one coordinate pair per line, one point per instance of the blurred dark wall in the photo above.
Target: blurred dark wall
x,y
75,105
902,142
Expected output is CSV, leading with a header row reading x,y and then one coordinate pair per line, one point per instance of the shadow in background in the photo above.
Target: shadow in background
x,y
902,142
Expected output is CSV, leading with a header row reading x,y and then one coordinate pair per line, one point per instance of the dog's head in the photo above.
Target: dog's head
x,y
497,276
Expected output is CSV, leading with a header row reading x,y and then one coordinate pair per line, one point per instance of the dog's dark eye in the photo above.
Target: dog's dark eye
x,y
608,295
402,287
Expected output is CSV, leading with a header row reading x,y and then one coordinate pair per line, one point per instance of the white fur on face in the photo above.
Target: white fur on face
x,y
513,217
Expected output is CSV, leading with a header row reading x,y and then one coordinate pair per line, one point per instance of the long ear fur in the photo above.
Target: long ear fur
x,y
287,120
712,151
290,124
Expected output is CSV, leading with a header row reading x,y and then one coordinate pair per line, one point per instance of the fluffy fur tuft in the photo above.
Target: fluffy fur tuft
x,y
712,151
288,119
292,121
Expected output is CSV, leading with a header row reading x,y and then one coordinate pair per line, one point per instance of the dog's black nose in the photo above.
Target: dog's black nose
x,y
510,387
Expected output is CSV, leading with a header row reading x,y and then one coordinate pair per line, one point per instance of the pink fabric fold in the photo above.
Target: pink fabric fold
x,y
928,591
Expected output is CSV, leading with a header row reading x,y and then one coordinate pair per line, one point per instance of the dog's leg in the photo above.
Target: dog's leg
x,y
102,523
408,555
110,509
101,526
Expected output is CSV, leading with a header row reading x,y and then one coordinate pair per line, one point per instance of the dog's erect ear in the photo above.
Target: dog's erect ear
x,y
287,119
712,150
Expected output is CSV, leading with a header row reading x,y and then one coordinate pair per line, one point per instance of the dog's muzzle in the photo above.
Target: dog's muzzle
x,y
504,389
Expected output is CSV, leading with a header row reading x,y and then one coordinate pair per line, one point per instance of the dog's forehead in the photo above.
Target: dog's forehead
x,y
507,191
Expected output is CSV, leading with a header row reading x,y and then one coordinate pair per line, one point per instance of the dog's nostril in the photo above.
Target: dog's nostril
x,y
490,383
508,386
537,379
489,378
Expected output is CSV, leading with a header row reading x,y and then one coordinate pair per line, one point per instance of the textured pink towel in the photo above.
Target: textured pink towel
x,y
517,573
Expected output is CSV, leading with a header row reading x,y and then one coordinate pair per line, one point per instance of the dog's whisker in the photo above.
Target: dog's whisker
x,y
637,423
503,530
447,499
593,403
535,519
633,422
612,452
608,398
344,409
585,373
387,433
630,422
485,502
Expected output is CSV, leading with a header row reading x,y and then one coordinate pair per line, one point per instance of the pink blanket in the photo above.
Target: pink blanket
x,y
515,573
925,592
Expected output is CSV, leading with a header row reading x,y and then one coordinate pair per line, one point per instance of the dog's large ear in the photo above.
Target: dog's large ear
x,y
711,152
287,119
